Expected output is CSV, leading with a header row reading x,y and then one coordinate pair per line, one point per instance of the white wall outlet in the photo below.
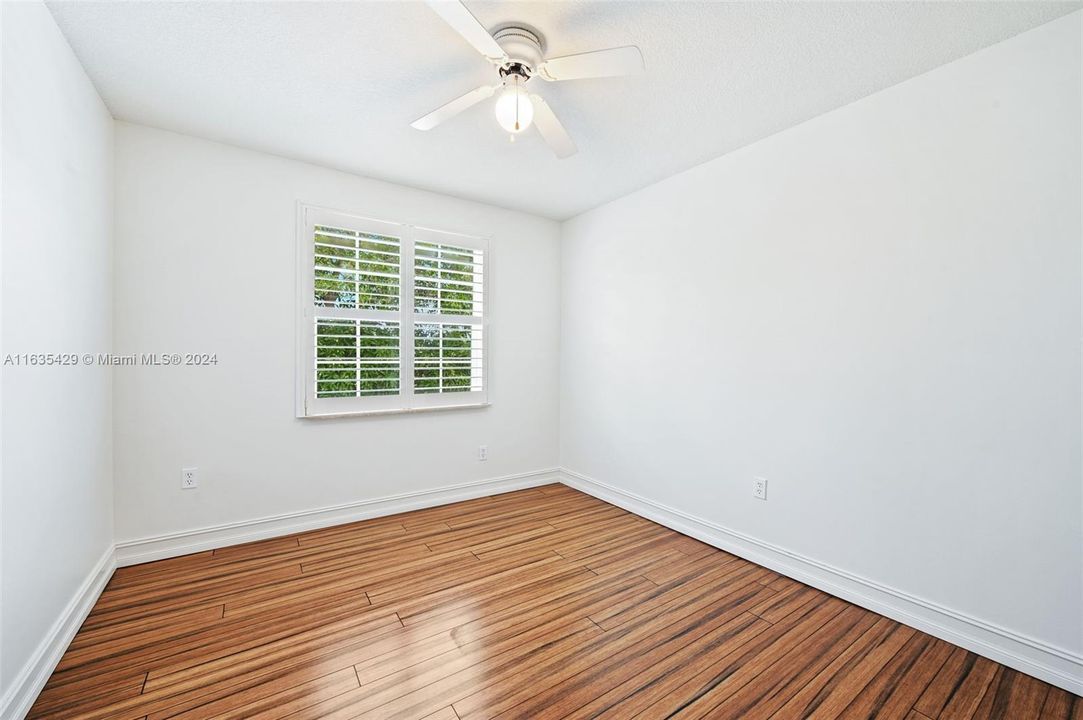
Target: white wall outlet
x,y
483,452
189,479
759,488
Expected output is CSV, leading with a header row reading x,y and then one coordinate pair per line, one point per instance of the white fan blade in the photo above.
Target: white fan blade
x,y
554,134
463,22
453,108
625,60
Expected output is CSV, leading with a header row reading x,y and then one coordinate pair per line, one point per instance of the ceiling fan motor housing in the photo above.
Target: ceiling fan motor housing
x,y
523,46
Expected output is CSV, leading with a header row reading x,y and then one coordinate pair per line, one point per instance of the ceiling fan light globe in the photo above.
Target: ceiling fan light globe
x,y
514,111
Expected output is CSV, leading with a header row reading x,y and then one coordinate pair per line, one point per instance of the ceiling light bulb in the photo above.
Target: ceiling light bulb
x,y
514,111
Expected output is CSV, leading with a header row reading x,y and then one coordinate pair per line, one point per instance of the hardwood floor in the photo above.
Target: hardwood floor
x,y
542,603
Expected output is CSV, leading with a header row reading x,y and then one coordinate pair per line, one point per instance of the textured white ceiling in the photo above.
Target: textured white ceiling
x,y
338,83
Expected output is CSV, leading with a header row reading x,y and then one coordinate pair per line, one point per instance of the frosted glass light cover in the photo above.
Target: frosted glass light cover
x,y
514,111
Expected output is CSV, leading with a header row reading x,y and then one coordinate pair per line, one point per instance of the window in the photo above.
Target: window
x,y
393,317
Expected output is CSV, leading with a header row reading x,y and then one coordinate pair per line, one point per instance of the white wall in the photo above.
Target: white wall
x,y
57,515
205,262
878,311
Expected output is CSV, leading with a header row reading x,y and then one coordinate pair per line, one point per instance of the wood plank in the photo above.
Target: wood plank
x,y
895,689
446,713
422,642
177,691
426,687
616,656
803,673
630,689
1012,695
1062,705
707,683
66,700
279,694
231,635
688,568
494,671
671,596
828,694
196,617
958,687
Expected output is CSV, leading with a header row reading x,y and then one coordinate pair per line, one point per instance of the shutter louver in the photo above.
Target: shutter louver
x,y
356,276
356,270
448,280
448,353
447,358
356,358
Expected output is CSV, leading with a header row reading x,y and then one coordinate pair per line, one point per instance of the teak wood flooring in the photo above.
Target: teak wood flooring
x,y
541,603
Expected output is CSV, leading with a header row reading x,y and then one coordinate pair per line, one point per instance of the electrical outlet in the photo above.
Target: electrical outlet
x,y
759,488
189,480
483,452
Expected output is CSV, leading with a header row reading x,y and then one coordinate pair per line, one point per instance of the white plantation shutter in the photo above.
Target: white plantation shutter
x,y
449,284
393,317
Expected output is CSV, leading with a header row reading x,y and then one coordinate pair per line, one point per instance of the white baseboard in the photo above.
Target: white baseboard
x,y
1055,665
158,547
31,679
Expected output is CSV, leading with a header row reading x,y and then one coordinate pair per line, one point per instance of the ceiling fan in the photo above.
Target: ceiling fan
x,y
518,54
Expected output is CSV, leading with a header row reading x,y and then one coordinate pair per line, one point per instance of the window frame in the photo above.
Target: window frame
x,y
406,400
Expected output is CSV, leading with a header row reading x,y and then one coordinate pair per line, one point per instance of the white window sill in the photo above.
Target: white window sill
x,y
393,411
